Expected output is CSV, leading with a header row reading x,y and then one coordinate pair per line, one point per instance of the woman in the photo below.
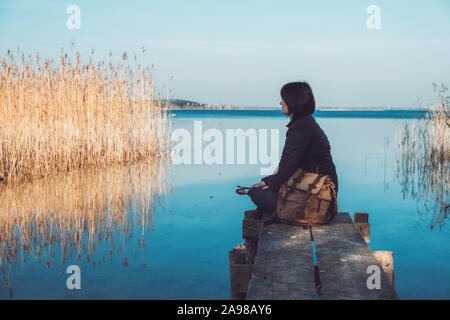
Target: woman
x,y
306,146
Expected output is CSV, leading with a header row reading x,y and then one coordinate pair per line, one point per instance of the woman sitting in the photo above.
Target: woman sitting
x,y
306,146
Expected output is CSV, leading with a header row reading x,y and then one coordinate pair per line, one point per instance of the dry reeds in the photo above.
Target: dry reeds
x,y
82,155
59,117
423,167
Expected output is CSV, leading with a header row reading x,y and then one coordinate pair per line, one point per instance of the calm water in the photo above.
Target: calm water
x,y
188,234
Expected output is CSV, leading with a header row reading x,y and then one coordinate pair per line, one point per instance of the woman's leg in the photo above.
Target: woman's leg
x,y
264,198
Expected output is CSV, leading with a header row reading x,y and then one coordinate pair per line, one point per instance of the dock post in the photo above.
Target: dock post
x,y
242,256
361,222
240,272
251,226
386,259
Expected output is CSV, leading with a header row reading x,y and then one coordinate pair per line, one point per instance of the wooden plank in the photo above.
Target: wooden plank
x,y
237,255
251,247
250,228
283,267
360,217
361,222
343,258
251,214
240,273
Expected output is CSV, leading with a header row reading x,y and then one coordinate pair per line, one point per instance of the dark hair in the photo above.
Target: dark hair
x,y
299,98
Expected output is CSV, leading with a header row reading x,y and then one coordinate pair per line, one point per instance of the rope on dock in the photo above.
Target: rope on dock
x,y
317,283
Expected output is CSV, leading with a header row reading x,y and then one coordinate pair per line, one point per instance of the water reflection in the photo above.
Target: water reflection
x,y
76,212
186,256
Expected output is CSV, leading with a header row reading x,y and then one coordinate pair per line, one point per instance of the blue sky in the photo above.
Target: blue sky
x,y
242,52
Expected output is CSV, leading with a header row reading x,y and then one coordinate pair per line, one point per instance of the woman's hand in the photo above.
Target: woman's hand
x,y
261,184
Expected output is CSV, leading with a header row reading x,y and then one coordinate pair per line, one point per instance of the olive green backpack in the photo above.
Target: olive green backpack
x,y
306,199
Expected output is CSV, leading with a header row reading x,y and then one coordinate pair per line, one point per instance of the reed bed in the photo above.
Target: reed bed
x,y
68,115
84,152
423,165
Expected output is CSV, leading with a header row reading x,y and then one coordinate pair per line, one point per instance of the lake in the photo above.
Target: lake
x,y
165,232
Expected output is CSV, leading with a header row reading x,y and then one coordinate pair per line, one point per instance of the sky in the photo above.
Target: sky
x,y
242,52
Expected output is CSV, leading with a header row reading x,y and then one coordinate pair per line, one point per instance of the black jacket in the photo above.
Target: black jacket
x,y
306,147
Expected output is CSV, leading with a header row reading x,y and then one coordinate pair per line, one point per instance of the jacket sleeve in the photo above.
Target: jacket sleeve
x,y
297,141
265,179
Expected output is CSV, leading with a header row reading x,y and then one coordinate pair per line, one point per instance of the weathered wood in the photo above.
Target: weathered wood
x,y
361,222
250,228
360,217
251,214
240,273
237,255
252,237
283,267
344,258
386,259
251,247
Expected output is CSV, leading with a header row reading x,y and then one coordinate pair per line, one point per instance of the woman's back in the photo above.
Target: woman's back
x,y
306,147
318,152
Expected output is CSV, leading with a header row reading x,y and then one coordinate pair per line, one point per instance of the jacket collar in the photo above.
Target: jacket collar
x,y
293,120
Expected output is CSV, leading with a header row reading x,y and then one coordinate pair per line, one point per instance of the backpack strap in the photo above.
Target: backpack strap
x,y
296,180
308,193
334,199
290,187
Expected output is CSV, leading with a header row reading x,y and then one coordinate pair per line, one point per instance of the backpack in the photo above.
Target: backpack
x,y
306,199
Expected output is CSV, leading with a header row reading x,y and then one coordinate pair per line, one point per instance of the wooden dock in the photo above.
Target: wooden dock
x,y
276,262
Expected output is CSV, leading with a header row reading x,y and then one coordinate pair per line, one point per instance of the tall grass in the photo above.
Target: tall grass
x,y
423,166
67,115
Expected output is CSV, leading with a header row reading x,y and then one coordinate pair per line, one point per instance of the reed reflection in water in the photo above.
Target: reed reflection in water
x,y
76,212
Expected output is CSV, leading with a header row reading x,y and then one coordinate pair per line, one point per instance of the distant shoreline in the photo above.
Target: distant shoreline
x,y
317,109
182,104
